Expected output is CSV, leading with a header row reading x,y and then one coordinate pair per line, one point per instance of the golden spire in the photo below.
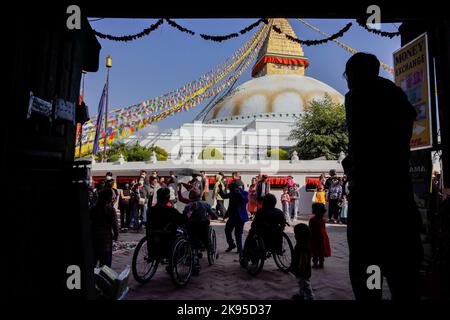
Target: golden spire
x,y
279,55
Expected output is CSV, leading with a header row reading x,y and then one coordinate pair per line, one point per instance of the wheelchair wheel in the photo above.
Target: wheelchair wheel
x,y
142,266
212,246
283,259
181,262
253,254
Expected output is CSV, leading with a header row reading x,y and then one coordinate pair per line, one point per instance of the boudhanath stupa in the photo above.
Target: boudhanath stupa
x,y
272,101
251,119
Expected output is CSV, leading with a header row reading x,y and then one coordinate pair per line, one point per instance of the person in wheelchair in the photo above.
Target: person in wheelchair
x,y
198,214
163,222
269,223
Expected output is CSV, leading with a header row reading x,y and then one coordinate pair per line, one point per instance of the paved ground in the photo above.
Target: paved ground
x,y
227,280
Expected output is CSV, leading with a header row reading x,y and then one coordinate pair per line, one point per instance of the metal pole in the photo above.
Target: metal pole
x,y
81,126
106,116
105,138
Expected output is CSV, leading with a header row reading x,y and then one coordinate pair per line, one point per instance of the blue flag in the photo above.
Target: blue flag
x,y
98,127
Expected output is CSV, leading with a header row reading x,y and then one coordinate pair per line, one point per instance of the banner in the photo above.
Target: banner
x,y
98,130
420,171
412,75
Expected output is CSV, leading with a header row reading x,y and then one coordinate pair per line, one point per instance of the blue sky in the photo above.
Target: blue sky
x,y
168,58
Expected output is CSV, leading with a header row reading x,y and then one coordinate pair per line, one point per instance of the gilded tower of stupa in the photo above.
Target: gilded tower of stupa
x,y
279,55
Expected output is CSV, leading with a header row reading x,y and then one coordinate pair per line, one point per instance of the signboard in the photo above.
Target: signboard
x,y
420,171
412,75
37,105
65,110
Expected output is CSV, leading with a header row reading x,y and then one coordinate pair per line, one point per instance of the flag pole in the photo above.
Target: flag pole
x,y
108,66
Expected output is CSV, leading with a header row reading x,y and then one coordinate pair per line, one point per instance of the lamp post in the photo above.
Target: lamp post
x,y
108,66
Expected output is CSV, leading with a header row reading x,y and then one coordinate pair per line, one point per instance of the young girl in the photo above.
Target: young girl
x,y
320,243
252,206
285,201
320,195
301,262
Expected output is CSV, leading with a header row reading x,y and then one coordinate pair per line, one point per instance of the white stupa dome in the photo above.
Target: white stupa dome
x,y
271,96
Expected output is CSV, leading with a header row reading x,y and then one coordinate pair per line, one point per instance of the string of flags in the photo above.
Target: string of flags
x,y
123,122
179,95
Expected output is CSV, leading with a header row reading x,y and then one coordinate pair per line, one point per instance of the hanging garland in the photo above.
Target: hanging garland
x,y
180,28
141,34
338,34
390,35
254,25
233,35
175,25
385,66
219,38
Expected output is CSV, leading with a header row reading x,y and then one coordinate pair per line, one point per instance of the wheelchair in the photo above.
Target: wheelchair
x,y
180,255
256,250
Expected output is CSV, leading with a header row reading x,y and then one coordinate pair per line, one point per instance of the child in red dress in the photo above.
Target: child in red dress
x,y
320,243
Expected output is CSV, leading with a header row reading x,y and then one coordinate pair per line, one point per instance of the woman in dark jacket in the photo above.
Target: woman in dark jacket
x,y
104,228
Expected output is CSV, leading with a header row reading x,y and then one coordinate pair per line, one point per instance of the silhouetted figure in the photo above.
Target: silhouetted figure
x,y
301,262
104,228
380,121
269,222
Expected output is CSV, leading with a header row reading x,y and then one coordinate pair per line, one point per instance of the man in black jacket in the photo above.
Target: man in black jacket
x,y
379,122
236,213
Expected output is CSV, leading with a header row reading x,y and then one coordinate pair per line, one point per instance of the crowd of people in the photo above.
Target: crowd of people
x,y
135,199
334,191
399,258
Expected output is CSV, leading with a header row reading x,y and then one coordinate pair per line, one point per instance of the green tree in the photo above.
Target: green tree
x,y
278,154
134,152
321,130
210,153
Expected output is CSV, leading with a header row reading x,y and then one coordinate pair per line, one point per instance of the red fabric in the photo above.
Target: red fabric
x,y
252,206
279,60
320,243
313,181
97,179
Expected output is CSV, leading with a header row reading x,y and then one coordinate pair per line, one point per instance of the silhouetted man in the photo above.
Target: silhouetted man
x,y
385,233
